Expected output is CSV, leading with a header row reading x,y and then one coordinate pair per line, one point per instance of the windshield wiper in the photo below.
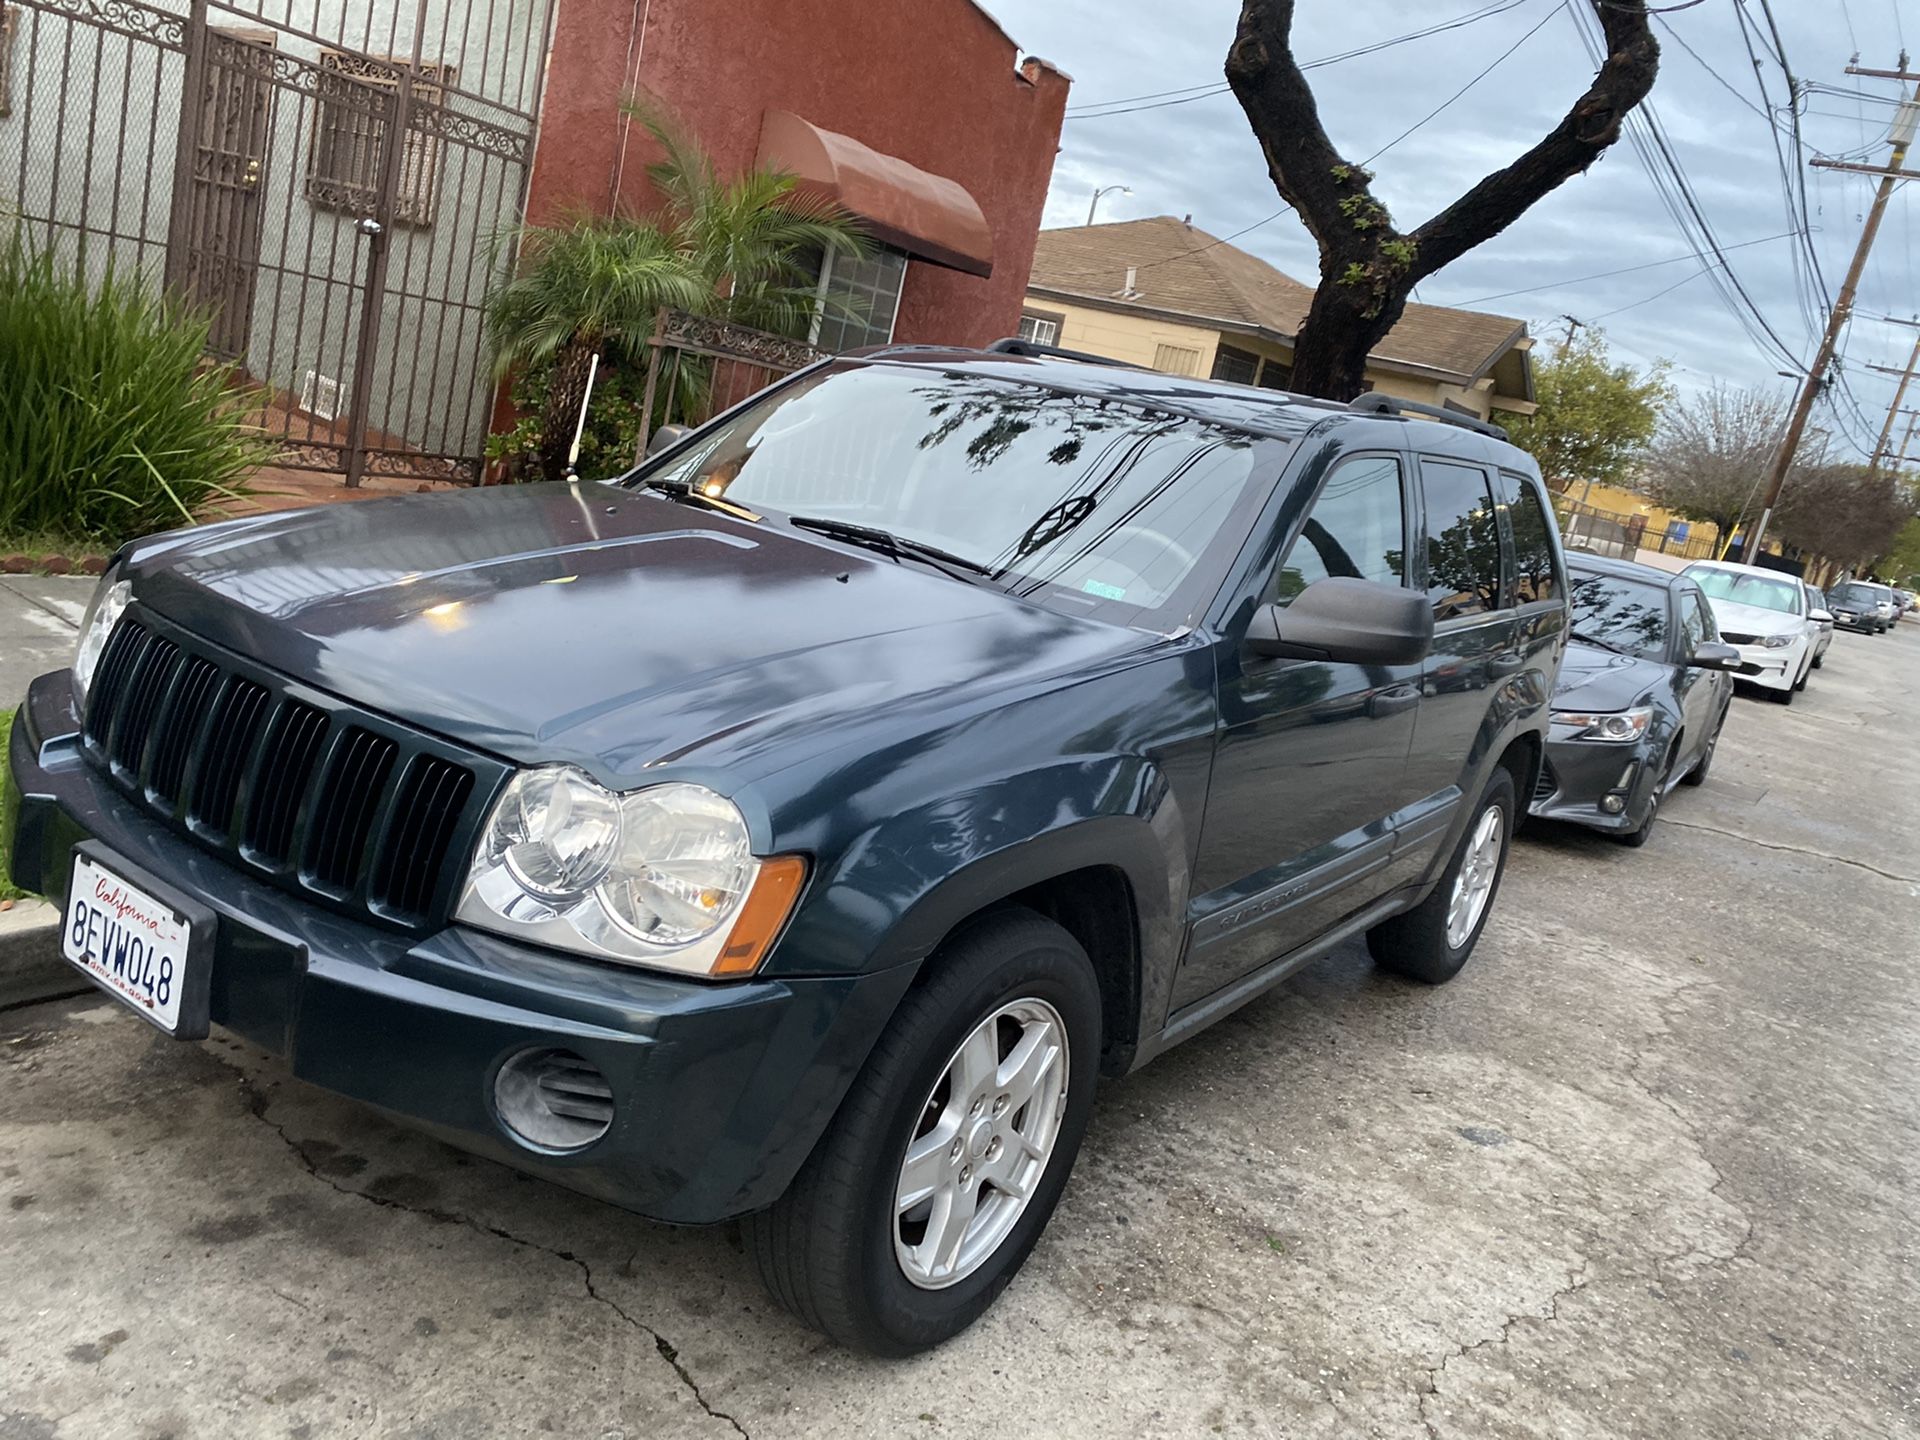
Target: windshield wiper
x,y
898,546
685,492
1586,639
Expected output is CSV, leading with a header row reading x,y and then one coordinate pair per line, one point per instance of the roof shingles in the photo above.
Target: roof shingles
x,y
1183,270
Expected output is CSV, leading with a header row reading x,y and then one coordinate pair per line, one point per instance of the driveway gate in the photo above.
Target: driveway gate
x,y
334,184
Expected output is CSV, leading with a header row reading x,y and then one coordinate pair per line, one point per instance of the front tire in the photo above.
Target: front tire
x,y
948,1155
1643,832
1698,775
1432,941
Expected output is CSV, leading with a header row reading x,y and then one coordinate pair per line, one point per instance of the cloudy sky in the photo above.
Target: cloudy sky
x,y
1197,155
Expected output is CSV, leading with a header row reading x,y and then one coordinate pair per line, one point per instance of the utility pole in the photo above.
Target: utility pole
x,y
1904,124
1883,447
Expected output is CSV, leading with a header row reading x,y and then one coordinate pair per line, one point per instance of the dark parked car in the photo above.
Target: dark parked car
x,y
1902,603
800,826
1855,606
1642,698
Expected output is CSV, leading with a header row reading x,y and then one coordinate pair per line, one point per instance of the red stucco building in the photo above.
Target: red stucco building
x,y
917,114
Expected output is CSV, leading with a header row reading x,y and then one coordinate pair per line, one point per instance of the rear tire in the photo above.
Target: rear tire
x,y
1424,943
835,1250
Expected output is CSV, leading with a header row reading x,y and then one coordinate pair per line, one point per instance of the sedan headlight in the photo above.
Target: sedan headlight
x,y
1777,642
664,876
1614,726
109,602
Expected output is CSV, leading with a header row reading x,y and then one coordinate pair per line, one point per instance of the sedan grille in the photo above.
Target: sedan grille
x,y
1735,638
318,796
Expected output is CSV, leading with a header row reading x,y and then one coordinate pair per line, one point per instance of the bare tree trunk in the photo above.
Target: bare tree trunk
x,y
1367,266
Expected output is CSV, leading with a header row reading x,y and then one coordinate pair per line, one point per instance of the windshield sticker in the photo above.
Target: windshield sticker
x,y
1103,590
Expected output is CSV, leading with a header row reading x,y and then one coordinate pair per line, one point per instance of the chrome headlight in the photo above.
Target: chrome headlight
x,y
109,602
663,876
1616,726
1777,642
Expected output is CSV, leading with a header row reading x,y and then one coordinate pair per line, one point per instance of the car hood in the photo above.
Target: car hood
x,y
613,629
1754,619
1599,680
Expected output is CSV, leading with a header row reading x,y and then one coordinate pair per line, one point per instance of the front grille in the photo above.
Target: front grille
x,y
1733,638
317,795
1545,783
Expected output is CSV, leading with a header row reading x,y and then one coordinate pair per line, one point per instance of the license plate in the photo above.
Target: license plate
x,y
128,941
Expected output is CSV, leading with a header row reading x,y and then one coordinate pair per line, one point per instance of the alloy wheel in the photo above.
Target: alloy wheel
x,y
980,1144
1473,886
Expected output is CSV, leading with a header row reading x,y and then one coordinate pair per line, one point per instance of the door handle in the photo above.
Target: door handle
x,y
1383,703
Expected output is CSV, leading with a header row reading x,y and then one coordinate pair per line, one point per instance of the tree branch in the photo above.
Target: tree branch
x,y
1593,124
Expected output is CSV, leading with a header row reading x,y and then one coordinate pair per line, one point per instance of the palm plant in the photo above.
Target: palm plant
x,y
743,250
756,240
581,285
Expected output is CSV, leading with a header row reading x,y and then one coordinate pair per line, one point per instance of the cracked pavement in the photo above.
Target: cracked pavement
x,y
1648,1169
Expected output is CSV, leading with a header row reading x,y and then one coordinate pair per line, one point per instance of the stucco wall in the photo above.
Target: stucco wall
x,y
932,82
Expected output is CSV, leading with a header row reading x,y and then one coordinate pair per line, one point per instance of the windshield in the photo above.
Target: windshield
x,y
1761,591
1098,505
1855,593
1620,614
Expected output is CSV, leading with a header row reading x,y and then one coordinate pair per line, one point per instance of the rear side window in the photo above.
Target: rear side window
x,y
1534,577
1355,529
1463,540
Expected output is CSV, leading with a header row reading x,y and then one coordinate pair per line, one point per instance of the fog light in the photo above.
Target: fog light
x,y
553,1100
1613,804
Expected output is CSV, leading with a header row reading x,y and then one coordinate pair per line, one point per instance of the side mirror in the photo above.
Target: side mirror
x,y
665,436
1350,622
1821,617
1713,655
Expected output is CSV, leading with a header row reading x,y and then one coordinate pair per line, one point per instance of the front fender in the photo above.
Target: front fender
x,y
899,888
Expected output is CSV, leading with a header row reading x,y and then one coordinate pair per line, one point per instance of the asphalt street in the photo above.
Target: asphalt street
x,y
1647,1168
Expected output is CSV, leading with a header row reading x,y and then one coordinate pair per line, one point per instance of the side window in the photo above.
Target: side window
x,y
1708,629
1695,627
1463,540
1534,577
1355,529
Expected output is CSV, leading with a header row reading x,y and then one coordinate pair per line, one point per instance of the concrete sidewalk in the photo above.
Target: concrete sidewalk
x,y
39,621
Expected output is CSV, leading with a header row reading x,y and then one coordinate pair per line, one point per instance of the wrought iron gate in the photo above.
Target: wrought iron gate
x,y
335,193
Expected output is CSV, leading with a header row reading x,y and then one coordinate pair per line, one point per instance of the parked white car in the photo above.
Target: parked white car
x,y
1765,615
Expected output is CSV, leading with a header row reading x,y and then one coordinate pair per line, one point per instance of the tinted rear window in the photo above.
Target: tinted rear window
x,y
1463,540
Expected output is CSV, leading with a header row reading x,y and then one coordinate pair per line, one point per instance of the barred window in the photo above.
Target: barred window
x,y
350,131
1239,366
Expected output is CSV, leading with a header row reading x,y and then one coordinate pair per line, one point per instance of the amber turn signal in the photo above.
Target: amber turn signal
x,y
768,903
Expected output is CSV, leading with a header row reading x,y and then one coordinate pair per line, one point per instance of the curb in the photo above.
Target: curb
x,y
31,968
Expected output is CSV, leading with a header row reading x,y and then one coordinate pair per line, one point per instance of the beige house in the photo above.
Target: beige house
x,y
1164,294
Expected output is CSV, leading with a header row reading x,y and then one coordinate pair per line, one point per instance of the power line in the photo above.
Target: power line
x,y
1100,109
1468,86
1651,298
1623,270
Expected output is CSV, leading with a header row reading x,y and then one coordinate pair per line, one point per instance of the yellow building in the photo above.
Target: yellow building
x,y
1163,294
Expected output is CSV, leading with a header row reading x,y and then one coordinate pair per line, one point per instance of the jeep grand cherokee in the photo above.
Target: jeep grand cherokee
x,y
799,826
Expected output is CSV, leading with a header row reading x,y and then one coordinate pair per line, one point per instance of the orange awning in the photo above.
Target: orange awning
x,y
902,205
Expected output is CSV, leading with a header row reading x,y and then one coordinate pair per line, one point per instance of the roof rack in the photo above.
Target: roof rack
x,y
1033,349
1374,403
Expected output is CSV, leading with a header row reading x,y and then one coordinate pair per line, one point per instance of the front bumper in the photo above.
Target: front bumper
x,y
1856,622
1579,774
720,1091
1771,669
